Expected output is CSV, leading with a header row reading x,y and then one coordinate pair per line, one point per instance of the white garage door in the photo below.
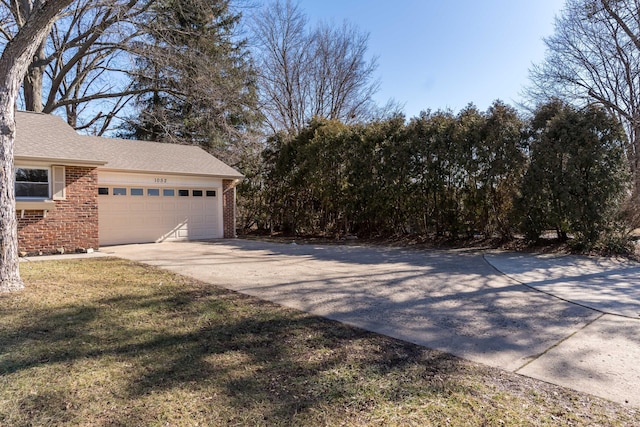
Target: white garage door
x,y
142,215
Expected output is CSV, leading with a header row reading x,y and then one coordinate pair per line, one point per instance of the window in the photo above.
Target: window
x,y
153,191
32,182
211,193
183,193
103,191
168,192
196,193
38,183
119,191
137,192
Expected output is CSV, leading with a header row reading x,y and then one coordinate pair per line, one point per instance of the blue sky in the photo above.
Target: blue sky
x,y
439,54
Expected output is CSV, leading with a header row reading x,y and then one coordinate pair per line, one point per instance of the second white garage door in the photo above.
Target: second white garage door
x,y
143,215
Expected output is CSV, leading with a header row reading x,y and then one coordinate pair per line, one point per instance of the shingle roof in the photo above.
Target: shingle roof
x,y
49,137
146,156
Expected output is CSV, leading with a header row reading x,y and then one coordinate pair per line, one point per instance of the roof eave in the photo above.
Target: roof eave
x,y
61,161
161,172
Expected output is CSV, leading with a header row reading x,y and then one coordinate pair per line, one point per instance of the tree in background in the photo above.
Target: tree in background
x,y
378,178
196,79
501,164
432,163
466,170
14,63
578,175
543,190
325,149
82,68
305,73
594,57
440,174
451,176
465,181
284,50
287,198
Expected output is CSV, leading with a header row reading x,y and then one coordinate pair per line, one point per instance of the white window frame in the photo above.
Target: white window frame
x,y
56,182
27,198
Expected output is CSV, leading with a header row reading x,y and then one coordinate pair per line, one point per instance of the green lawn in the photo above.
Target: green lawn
x,y
106,342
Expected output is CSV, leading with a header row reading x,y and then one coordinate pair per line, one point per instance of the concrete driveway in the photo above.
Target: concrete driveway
x,y
466,303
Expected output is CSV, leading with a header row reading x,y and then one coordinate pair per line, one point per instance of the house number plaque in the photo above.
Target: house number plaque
x,y
160,180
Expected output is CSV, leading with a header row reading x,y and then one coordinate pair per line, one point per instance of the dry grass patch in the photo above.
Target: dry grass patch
x,y
111,343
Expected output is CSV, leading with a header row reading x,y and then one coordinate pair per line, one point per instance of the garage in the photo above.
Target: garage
x,y
136,214
150,192
79,192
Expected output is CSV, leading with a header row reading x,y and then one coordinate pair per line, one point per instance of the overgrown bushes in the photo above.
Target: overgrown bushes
x,y
577,175
444,174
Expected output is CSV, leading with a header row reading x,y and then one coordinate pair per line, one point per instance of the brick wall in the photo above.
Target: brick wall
x,y
72,225
229,208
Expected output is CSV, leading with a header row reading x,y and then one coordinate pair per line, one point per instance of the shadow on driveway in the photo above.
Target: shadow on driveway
x,y
447,300
453,301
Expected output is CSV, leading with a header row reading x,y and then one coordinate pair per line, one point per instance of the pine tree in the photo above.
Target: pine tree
x,y
199,76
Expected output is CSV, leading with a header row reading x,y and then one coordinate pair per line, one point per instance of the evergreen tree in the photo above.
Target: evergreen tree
x,y
199,76
577,176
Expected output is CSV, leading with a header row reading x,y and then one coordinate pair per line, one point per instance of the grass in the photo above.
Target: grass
x,y
107,342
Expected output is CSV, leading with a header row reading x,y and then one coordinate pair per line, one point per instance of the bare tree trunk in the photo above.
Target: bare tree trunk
x,y
634,158
32,86
9,273
13,66
11,76
72,115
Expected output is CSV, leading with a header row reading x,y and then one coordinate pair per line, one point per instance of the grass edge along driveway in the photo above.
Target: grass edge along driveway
x,y
107,342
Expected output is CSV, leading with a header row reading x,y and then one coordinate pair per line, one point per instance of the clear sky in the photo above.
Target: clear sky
x,y
439,54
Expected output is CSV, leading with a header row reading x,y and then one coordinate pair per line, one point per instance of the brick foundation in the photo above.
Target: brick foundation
x,y
72,225
229,208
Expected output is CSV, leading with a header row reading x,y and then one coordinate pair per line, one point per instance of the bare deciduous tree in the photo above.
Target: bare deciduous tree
x,y
89,62
83,65
594,57
307,72
283,51
342,77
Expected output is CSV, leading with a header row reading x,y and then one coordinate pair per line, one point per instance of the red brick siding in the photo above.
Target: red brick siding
x,y
72,225
229,208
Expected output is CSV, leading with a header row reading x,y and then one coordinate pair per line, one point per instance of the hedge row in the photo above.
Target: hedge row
x,y
445,174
